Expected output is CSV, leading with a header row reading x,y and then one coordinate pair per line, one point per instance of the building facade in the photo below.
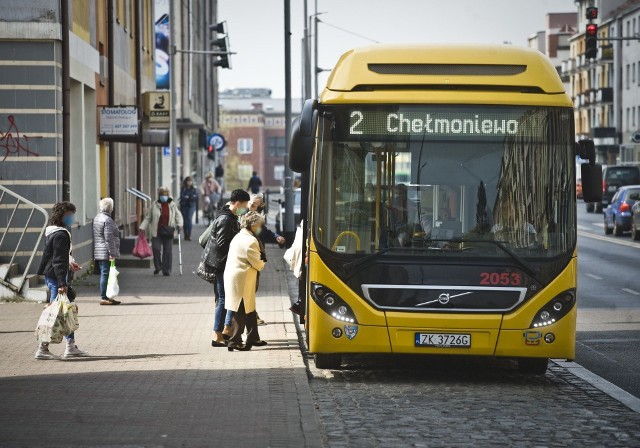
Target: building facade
x,y
60,60
253,125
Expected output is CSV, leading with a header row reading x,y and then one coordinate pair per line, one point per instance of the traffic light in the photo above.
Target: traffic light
x,y
591,41
223,61
220,45
211,153
592,13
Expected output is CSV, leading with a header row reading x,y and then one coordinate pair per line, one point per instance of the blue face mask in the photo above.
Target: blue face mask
x,y
68,220
164,198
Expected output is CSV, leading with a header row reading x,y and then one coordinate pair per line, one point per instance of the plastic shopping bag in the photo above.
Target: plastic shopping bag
x,y
44,328
141,248
58,319
113,289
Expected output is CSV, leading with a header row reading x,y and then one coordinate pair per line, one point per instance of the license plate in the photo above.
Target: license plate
x,y
444,340
612,188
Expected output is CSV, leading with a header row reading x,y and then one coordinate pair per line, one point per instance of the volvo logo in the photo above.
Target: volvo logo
x,y
444,298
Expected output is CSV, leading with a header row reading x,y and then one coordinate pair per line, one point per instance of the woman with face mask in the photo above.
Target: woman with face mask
x,y
55,266
160,223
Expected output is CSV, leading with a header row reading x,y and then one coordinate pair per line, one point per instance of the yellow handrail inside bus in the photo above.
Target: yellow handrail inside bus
x,y
347,233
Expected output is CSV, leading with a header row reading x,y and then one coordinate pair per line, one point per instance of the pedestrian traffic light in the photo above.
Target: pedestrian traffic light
x,y
591,41
592,13
211,153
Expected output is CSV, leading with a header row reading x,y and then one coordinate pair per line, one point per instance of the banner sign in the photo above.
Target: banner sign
x,y
118,122
162,52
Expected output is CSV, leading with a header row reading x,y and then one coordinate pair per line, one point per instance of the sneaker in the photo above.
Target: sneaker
x,y
110,302
72,351
44,353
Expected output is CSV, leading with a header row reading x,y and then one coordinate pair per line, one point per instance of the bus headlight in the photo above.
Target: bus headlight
x,y
332,304
555,309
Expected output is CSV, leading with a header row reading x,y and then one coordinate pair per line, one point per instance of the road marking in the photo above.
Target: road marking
x,y
598,224
608,240
595,277
631,291
583,227
624,397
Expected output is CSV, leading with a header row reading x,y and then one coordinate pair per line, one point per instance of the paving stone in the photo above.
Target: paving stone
x,y
153,378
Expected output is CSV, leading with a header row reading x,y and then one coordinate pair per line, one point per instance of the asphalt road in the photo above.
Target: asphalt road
x,y
608,341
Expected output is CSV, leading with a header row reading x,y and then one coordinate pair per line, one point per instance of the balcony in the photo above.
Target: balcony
x,y
604,95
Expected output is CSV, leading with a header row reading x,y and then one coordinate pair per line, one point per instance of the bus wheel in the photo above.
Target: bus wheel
x,y
327,360
535,366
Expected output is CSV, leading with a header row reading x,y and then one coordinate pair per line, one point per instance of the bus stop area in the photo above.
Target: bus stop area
x,y
154,380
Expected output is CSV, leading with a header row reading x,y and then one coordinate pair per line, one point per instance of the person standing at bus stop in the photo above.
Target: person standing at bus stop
x,y
255,183
225,227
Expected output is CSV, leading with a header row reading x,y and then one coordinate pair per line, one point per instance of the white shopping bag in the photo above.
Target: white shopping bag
x,y
113,289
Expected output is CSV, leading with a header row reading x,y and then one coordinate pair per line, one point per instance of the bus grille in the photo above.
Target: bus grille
x,y
443,298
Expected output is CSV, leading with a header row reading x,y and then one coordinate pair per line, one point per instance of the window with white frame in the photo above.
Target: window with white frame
x,y
245,145
278,172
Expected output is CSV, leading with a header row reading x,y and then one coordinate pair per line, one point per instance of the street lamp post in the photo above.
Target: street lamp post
x,y
289,221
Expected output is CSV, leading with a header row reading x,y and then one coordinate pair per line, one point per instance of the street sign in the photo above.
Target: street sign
x,y
217,141
118,122
166,151
157,106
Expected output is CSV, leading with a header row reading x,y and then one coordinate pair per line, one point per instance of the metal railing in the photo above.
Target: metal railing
x,y
5,192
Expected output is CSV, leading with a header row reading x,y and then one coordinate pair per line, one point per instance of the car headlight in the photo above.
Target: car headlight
x,y
332,304
555,309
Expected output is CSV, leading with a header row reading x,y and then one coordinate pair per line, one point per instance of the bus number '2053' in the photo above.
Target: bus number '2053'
x,y
502,278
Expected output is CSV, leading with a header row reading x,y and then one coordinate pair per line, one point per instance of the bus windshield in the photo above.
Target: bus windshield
x,y
426,180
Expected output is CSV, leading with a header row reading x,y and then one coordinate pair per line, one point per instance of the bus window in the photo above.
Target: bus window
x,y
448,193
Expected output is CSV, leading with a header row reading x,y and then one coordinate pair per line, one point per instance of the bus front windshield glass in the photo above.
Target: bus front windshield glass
x,y
462,181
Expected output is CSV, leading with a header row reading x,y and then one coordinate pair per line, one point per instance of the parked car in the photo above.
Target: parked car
x,y
617,216
635,221
297,196
579,188
614,177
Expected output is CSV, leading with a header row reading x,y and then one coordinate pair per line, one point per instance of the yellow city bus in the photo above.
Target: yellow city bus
x,y
441,214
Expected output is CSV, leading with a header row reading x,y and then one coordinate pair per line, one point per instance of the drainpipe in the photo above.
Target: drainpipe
x,y
138,45
66,101
111,90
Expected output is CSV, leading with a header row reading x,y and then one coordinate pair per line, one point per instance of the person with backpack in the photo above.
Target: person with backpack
x,y
55,266
224,228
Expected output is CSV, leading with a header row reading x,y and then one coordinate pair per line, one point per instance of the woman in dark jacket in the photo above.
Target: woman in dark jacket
x,y
106,246
188,201
55,266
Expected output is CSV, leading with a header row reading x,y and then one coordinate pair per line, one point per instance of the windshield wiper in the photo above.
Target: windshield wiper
x,y
367,258
524,264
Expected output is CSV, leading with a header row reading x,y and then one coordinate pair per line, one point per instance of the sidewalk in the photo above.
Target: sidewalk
x,y
153,378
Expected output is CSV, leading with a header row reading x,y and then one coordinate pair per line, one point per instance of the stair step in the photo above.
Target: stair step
x,y
129,261
9,270
36,294
30,281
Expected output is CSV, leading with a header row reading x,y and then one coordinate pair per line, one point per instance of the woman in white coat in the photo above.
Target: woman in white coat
x,y
240,274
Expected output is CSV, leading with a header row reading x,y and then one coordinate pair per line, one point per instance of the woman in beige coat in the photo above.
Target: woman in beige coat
x,y
240,274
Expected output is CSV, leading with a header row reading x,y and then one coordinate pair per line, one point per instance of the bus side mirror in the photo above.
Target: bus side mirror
x,y
303,132
591,182
585,149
